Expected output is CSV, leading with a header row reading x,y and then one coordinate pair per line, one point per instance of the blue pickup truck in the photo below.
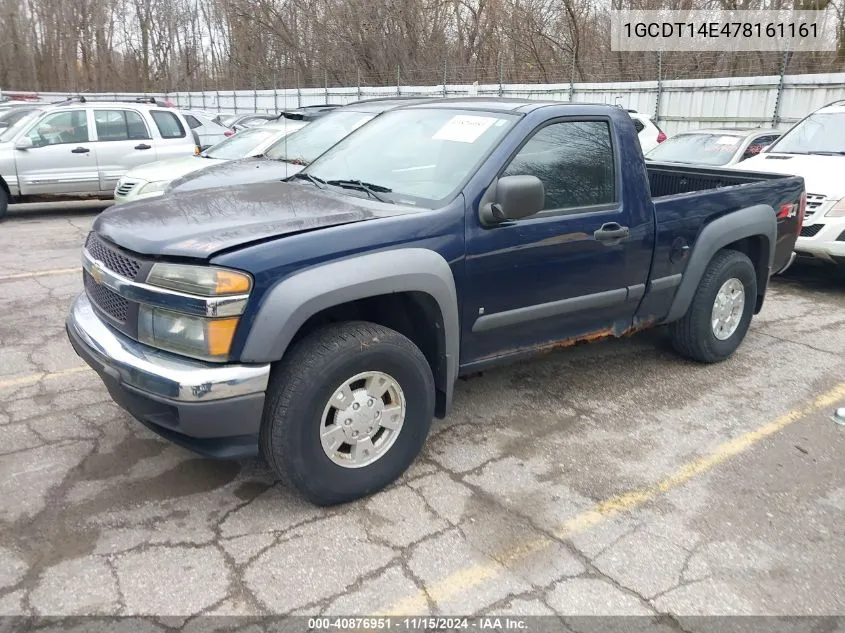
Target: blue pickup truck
x,y
323,320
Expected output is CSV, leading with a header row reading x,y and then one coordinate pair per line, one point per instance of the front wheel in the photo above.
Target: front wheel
x,y
347,411
721,310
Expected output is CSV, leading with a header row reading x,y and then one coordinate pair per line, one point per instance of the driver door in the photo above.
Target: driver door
x,y
62,158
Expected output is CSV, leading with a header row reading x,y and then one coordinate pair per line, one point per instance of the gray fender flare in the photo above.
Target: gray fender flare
x,y
758,220
291,302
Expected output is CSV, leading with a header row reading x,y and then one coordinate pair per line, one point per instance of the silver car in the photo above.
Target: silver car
x,y
209,132
715,147
84,148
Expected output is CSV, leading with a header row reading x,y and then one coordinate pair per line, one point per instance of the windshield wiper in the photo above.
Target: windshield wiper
x,y
369,188
293,161
313,179
830,153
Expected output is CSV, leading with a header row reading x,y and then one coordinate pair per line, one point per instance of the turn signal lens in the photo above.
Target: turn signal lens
x,y
206,281
220,335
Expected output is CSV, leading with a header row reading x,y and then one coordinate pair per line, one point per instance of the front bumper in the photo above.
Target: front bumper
x,y
827,244
214,410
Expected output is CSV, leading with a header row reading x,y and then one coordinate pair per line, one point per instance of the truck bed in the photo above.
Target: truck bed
x,y
669,179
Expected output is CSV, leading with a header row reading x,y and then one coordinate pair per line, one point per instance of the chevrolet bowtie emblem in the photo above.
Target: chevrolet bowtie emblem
x,y
97,272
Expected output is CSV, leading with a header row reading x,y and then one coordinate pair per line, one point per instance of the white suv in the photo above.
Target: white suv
x,y
83,148
647,131
815,149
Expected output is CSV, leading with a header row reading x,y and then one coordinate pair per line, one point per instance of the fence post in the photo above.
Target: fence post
x,y
234,96
659,85
298,91
398,89
254,96
326,84
501,73
275,97
444,77
358,83
572,78
779,95
203,99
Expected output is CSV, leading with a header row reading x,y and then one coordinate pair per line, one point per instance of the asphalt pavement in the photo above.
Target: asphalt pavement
x,y
610,479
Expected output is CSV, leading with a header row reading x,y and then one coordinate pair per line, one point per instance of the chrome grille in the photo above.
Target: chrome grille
x,y
113,259
112,304
124,187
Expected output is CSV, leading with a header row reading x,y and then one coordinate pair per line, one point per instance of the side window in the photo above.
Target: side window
x,y
193,122
639,125
168,124
119,125
756,146
574,159
70,126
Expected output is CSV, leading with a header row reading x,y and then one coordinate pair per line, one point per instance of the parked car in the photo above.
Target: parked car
x,y
814,148
209,132
324,320
649,134
720,147
310,113
242,121
84,148
291,154
150,180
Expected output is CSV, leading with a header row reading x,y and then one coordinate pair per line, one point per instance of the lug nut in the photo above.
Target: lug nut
x,y
356,406
348,421
370,402
354,433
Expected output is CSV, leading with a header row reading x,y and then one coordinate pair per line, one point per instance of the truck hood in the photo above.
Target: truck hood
x,y
236,172
198,224
170,168
822,174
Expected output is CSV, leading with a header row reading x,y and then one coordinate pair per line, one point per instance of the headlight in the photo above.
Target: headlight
x,y
154,187
207,339
206,281
837,210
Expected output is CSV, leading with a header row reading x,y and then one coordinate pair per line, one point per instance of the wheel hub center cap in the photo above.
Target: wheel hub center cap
x,y
360,420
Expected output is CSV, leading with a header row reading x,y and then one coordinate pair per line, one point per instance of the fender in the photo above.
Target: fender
x,y
758,220
291,302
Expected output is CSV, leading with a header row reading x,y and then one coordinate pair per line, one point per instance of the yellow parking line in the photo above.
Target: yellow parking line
x,y
464,579
40,273
30,379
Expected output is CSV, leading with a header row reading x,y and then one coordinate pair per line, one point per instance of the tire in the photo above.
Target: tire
x,y
4,203
303,387
693,336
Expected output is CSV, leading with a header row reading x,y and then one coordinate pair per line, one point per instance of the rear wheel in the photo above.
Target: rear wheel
x,y
348,410
721,310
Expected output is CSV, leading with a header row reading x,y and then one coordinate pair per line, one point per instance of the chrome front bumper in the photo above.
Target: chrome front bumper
x,y
159,374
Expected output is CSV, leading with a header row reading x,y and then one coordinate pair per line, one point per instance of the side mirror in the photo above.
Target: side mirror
x,y
24,143
516,197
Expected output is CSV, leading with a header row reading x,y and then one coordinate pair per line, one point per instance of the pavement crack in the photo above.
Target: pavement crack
x,y
837,355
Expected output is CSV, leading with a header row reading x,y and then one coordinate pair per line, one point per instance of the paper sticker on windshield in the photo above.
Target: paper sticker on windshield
x,y
727,140
464,128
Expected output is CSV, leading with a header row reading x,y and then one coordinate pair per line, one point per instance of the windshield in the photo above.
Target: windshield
x,y
247,142
413,156
306,145
700,149
820,133
7,134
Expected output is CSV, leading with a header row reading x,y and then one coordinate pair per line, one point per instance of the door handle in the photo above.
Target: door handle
x,y
143,146
80,150
612,232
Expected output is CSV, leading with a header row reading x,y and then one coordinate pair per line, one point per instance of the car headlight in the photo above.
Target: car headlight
x,y
837,210
154,187
199,337
203,337
206,281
